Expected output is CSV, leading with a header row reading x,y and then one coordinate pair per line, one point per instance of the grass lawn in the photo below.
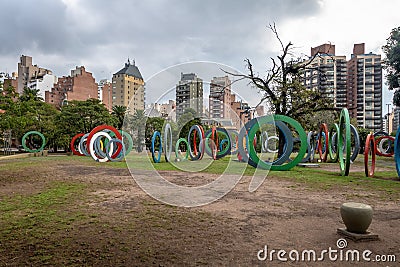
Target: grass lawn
x,y
70,210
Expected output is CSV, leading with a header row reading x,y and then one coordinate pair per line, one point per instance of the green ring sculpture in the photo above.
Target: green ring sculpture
x,y
344,125
40,149
270,119
129,139
177,148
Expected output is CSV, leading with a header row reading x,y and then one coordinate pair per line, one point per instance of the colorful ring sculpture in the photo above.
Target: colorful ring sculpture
x,y
167,142
214,152
397,151
344,132
72,145
333,153
370,146
270,119
323,133
153,149
101,128
40,149
181,140
195,129
110,145
380,150
128,137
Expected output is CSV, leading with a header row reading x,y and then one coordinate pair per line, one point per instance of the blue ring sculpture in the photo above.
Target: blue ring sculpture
x,y
153,152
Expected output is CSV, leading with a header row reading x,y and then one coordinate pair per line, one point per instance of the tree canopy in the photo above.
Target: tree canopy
x,y
83,116
119,113
392,60
28,112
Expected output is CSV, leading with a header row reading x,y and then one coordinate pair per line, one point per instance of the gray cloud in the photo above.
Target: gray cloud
x,y
158,34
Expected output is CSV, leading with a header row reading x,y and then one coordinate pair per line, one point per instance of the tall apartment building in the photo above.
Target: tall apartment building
x,y
220,98
327,72
80,85
27,71
128,88
364,88
189,94
104,93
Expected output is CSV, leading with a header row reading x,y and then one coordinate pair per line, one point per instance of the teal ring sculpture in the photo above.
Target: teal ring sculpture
x,y
153,152
344,133
40,149
271,119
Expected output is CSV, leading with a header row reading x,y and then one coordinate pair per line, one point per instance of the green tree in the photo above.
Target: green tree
x,y
30,94
186,121
392,61
312,122
119,112
152,125
83,116
25,114
138,122
8,96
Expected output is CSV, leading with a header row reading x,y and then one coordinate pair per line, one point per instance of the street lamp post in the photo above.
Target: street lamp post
x,y
387,118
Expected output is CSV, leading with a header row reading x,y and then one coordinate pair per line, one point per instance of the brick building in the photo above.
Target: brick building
x,y
80,85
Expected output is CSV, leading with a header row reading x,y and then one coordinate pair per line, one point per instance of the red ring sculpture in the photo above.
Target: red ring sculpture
x,y
101,128
370,144
72,145
323,129
214,137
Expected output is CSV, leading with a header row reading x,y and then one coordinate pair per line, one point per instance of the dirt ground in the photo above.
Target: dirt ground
x,y
126,227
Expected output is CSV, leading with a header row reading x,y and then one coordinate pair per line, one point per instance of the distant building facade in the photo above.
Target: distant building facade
x,y
241,112
42,83
327,73
80,85
104,93
364,88
355,84
128,88
8,81
189,94
220,98
27,71
396,118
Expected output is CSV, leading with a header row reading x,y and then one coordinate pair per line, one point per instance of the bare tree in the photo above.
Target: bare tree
x,y
282,86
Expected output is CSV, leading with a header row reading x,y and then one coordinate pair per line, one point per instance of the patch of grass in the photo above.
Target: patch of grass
x,y
30,220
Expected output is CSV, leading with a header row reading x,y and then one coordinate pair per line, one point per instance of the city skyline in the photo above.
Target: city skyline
x,y
53,34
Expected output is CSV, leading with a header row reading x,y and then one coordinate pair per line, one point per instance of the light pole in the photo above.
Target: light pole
x,y
387,117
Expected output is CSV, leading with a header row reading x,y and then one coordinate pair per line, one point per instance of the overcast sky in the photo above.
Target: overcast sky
x,y
101,35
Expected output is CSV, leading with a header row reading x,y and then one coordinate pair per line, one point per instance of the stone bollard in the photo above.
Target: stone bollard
x,y
356,216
